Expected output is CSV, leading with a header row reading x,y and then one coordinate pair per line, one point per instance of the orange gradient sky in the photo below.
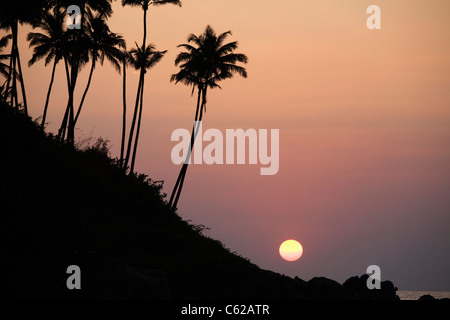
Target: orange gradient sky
x,y
364,119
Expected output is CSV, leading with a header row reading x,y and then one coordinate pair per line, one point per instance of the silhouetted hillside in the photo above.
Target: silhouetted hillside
x,y
61,207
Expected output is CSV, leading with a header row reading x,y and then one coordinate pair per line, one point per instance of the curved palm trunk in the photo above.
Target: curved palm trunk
x,y
124,115
68,120
62,129
133,123
44,116
85,92
138,129
141,93
180,180
22,83
180,186
203,104
180,175
71,124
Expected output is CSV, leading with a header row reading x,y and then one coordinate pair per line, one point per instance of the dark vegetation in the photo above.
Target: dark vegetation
x,y
62,206
206,61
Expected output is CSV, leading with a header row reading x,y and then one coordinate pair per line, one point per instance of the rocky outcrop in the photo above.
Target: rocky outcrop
x,y
357,288
321,288
429,297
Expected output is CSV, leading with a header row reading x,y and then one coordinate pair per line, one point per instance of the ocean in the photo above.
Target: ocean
x,y
415,295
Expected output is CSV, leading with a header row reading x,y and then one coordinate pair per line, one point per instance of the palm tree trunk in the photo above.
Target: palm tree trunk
x,y
14,99
183,175
175,188
203,103
44,116
68,121
176,192
9,77
124,115
73,80
66,66
145,27
62,129
138,129
71,120
133,123
22,83
85,92
180,175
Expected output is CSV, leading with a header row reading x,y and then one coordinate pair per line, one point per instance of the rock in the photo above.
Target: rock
x,y
427,297
357,288
321,288
388,291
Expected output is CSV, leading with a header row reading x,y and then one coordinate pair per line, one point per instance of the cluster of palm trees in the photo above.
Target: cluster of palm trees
x,y
205,61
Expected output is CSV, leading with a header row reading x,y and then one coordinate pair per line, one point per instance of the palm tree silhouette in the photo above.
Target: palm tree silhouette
x,y
100,6
102,44
4,68
76,55
204,63
49,45
125,58
143,60
145,4
11,14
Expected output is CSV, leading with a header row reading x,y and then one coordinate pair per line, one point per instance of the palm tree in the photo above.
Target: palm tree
x,y
49,45
102,44
12,13
204,63
145,4
125,58
100,6
143,60
76,56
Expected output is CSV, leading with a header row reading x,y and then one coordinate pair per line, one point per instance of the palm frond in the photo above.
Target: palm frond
x,y
206,61
4,40
163,2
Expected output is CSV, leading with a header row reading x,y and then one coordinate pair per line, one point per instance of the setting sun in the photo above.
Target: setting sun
x,y
291,250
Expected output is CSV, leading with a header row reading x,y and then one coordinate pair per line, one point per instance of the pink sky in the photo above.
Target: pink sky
x,y
364,120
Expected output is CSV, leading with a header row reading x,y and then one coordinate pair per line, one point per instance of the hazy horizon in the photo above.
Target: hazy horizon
x,y
364,120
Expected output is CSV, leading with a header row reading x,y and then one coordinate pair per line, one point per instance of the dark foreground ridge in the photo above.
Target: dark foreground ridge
x,y
62,207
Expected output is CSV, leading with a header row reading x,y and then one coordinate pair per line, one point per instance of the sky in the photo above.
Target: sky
x,y
363,118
